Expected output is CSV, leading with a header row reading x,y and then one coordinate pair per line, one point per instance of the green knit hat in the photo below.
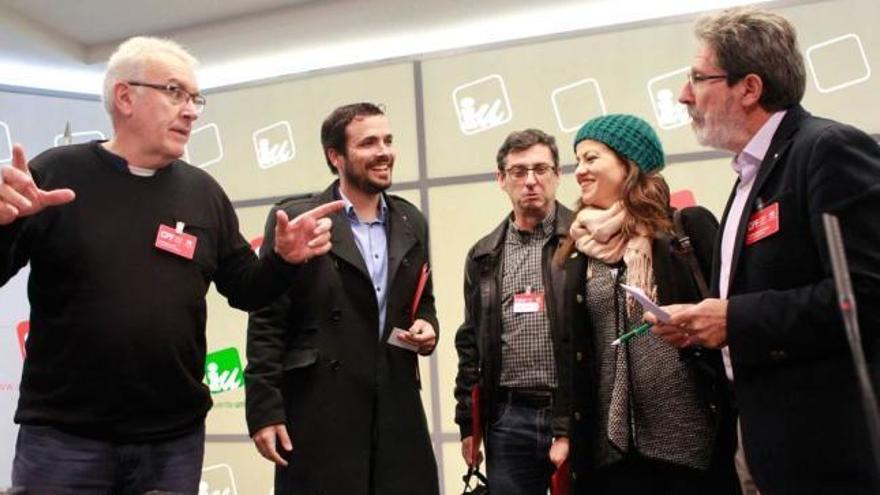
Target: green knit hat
x,y
629,136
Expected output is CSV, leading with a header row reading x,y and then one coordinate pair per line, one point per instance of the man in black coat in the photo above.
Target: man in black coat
x,y
803,429
331,397
513,343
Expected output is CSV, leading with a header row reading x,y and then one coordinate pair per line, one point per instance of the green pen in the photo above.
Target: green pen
x,y
639,330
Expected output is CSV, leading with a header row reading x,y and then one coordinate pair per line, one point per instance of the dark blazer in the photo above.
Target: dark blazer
x,y
675,284
803,427
478,339
351,402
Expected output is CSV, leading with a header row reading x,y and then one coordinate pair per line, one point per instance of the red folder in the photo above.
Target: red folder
x,y
476,424
420,289
560,483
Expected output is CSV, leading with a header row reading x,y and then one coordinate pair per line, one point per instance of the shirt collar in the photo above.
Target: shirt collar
x,y
541,231
120,163
351,213
748,161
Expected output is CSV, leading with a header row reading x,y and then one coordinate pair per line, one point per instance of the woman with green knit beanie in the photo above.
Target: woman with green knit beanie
x,y
647,418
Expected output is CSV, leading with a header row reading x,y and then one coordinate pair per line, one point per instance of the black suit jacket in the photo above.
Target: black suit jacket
x,y
351,402
803,427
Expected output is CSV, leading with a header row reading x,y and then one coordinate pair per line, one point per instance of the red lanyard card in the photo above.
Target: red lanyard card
x,y
176,241
763,223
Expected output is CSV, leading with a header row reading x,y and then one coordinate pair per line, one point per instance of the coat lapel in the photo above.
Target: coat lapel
x,y
401,238
782,139
716,258
342,238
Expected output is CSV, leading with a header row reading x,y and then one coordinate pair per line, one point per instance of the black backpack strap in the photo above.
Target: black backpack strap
x,y
683,247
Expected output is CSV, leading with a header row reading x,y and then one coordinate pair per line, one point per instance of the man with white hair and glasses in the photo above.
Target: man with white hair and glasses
x,y
124,239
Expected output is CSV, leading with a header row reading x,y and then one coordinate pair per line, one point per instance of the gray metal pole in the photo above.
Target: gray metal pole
x,y
847,301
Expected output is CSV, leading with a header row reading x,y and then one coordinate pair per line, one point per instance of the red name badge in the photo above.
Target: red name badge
x,y
179,243
528,302
763,223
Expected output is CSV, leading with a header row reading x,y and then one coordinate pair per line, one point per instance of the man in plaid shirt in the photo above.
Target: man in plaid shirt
x,y
512,343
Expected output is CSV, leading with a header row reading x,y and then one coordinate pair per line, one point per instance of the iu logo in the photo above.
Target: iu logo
x,y
274,144
217,480
223,370
482,104
662,90
205,488
22,330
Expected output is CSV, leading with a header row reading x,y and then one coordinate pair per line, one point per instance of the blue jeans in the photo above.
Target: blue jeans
x,y
518,451
51,461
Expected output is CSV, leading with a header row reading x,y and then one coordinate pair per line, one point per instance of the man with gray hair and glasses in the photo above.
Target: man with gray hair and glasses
x,y
124,239
775,312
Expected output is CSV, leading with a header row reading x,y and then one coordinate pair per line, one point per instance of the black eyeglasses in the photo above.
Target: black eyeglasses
x,y
694,78
519,172
176,94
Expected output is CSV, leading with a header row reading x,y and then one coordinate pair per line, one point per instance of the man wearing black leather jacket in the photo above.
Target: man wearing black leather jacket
x,y
512,343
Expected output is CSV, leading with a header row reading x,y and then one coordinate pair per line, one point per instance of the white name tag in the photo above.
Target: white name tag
x,y
394,339
529,302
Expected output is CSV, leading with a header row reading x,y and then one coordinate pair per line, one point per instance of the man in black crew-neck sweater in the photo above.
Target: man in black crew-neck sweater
x,y
124,240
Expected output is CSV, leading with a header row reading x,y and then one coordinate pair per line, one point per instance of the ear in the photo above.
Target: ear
x,y
499,176
334,157
753,88
122,99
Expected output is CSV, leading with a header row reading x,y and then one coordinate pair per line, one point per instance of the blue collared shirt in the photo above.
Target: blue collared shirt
x,y
371,239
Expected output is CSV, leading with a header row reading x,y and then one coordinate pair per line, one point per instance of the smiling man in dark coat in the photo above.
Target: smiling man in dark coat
x,y
330,398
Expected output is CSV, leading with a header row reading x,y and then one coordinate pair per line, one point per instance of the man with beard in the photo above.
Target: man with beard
x,y
512,343
332,398
776,313
112,398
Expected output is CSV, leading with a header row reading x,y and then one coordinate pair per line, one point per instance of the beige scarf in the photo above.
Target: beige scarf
x,y
597,234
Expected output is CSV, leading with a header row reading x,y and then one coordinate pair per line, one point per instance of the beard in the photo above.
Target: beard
x,y
359,177
718,129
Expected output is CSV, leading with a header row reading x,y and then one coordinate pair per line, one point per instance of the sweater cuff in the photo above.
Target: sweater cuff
x,y
561,426
276,263
465,430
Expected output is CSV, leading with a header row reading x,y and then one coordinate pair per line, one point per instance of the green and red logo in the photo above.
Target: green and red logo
x,y
223,371
683,198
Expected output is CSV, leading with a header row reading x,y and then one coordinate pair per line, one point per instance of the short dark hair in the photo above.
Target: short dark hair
x,y
747,41
523,140
333,129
